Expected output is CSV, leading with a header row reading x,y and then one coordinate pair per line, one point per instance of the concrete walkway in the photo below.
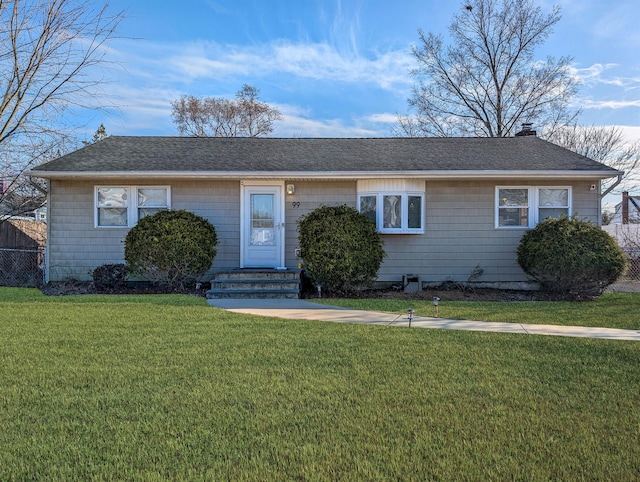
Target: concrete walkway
x,y
305,310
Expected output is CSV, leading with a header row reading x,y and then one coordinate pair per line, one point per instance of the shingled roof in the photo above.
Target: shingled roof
x,y
321,157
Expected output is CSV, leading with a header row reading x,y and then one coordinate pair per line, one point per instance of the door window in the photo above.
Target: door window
x,y
262,220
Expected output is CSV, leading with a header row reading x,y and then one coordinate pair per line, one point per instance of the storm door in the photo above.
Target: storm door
x,y
263,227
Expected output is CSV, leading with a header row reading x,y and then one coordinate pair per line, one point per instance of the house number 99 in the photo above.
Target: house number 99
x,y
295,204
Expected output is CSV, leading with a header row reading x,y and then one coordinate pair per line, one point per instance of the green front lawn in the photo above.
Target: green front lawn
x,y
611,310
168,388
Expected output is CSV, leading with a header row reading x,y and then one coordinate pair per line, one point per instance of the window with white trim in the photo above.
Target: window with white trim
x,y
394,213
526,206
124,206
396,206
552,202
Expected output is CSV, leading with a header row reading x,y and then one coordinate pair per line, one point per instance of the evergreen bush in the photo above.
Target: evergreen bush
x,y
171,248
340,248
571,257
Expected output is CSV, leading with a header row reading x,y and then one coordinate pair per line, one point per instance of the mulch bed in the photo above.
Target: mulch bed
x,y
72,287
460,294
456,293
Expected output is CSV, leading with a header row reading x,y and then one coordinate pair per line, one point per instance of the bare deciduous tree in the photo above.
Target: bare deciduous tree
x,y
49,54
488,82
244,116
605,144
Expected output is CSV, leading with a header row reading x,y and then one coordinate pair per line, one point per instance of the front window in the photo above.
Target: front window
x,y
513,207
117,207
112,207
392,213
414,212
368,207
401,213
552,203
524,207
151,200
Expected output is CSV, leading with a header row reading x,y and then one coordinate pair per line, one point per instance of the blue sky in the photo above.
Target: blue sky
x,y
335,67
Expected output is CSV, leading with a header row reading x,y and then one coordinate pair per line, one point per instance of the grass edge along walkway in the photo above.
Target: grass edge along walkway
x,y
611,310
305,310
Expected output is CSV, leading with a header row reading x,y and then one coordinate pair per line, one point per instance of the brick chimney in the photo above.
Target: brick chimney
x,y
625,207
526,130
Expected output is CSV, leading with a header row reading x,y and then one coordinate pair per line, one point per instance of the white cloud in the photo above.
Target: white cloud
x,y
609,104
383,118
593,73
140,108
199,61
298,122
604,74
602,89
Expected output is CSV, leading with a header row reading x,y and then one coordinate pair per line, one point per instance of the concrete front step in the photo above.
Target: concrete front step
x,y
258,274
255,283
252,294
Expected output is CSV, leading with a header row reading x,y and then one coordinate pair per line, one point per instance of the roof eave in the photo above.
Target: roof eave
x,y
324,175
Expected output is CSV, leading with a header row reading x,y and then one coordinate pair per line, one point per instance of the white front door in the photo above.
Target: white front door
x,y
262,226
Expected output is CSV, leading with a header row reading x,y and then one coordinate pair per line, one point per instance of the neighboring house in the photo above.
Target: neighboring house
x,y
629,216
625,224
445,207
13,204
40,214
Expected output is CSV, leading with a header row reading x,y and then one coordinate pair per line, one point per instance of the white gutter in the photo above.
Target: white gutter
x,y
614,185
324,175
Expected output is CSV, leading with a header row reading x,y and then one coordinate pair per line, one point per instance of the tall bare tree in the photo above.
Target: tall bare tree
x,y
488,81
605,144
244,116
49,54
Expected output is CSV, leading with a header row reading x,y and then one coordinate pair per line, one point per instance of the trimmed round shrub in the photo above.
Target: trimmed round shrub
x,y
571,257
171,248
340,248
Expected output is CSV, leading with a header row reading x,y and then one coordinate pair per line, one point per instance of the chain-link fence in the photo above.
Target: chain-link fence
x,y
22,267
633,256
630,281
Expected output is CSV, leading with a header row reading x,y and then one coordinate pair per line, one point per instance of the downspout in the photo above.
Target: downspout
x,y
47,246
613,186
602,195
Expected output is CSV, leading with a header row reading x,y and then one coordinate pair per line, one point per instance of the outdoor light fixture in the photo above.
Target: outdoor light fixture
x,y
410,311
291,188
436,300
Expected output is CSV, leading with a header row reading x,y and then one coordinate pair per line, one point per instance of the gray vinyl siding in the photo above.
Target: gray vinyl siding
x,y
311,195
218,202
459,235
76,247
